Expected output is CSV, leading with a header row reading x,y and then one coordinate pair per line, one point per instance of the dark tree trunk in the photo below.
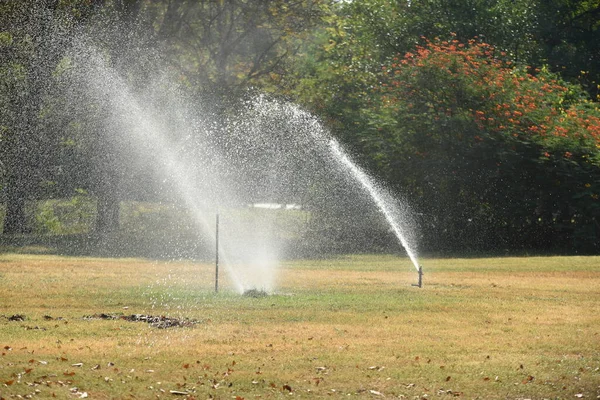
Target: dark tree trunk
x,y
28,145
107,219
108,213
15,221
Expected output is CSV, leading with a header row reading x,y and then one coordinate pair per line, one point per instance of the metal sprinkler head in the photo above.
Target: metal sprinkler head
x,y
420,284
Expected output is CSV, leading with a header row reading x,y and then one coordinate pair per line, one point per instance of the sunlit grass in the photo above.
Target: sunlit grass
x,y
352,326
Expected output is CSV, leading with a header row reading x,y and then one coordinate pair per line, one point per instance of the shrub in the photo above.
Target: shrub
x,y
501,155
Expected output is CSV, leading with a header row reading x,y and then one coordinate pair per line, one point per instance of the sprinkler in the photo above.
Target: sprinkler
x,y
420,284
217,254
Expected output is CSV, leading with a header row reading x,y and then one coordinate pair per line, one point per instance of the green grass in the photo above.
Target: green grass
x,y
354,326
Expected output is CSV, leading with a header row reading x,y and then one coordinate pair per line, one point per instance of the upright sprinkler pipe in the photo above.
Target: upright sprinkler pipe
x,y
420,284
217,254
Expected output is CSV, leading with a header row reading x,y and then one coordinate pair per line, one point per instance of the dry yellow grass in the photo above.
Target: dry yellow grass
x,y
352,327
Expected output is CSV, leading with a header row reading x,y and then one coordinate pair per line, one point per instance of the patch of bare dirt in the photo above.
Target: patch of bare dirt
x,y
156,321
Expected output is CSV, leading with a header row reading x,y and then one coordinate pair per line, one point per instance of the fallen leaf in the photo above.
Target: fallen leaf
x,y
448,378
288,388
77,365
8,383
375,392
528,379
579,395
69,373
186,366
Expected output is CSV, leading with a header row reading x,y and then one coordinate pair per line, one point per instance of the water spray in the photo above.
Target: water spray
x,y
148,128
378,195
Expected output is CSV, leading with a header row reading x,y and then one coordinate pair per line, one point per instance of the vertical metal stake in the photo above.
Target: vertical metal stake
x,y
420,284
217,254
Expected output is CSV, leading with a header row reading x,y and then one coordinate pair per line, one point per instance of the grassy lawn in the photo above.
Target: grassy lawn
x,y
494,328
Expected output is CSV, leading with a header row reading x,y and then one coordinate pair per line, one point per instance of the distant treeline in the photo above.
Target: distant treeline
x,y
481,114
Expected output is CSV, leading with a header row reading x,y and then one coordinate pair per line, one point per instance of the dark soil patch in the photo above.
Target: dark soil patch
x,y
156,321
15,317
255,293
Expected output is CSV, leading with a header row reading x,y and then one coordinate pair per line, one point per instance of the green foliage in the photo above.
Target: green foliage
x,y
224,47
567,34
65,216
32,38
498,154
495,154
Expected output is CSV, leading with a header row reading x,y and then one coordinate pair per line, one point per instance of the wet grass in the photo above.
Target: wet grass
x,y
354,326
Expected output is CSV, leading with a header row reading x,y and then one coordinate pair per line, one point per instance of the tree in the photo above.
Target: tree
x,y
224,47
559,33
215,49
423,152
38,159
29,57
568,36
499,156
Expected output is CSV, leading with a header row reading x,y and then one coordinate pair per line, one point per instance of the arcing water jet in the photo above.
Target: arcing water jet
x,y
264,151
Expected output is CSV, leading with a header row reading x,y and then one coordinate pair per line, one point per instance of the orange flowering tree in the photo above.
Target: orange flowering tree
x,y
500,155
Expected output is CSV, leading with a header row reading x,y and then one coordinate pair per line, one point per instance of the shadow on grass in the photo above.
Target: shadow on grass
x,y
171,247
103,246
185,247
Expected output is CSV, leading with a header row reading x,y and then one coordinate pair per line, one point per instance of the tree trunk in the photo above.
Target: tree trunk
x,y
108,213
15,222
